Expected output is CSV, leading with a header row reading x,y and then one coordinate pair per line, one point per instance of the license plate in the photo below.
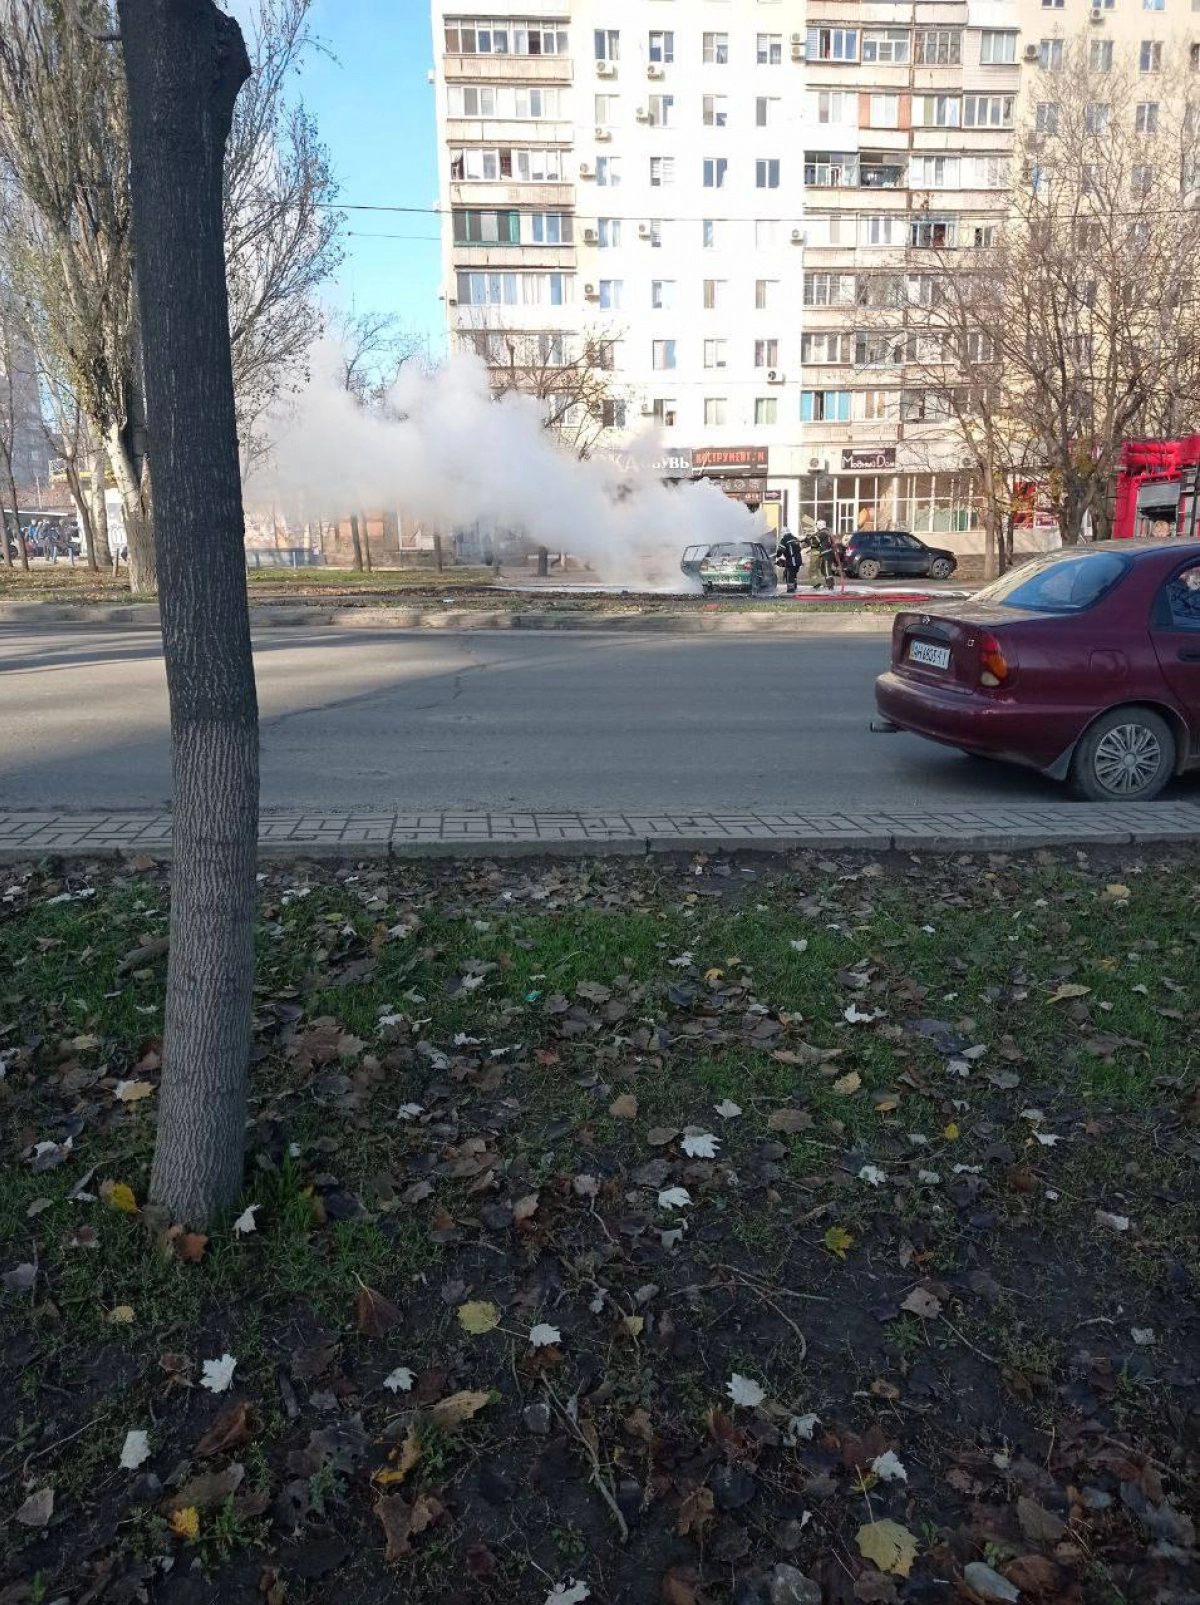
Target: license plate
x,y
936,657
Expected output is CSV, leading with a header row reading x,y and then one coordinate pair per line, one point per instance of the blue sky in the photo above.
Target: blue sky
x,y
374,107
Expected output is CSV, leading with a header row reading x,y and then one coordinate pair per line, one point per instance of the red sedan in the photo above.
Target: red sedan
x,y
1084,664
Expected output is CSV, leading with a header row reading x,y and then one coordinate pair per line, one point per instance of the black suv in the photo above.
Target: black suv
x,y
872,552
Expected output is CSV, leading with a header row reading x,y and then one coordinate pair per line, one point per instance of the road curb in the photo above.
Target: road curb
x,y
25,838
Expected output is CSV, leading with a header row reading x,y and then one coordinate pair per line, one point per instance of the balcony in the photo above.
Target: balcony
x,y
489,194
472,254
880,172
507,69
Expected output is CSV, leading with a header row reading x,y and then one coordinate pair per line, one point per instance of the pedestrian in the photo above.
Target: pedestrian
x,y
788,556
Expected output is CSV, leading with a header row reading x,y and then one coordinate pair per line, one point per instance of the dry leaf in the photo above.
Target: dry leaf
x,y
186,1523
132,1091
37,1509
789,1120
190,1246
231,1429
452,1413
208,1490
695,1513
525,1208
679,1586
633,1324
119,1195
844,1085
401,1522
922,1303
1069,990
624,1108
478,1316
838,1240
891,1547
374,1315
135,1450
216,1375
407,1457
121,1315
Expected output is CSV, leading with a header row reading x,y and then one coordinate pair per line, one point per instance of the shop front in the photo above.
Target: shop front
x,y
740,472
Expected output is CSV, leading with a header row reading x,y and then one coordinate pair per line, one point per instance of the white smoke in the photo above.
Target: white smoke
x,y
453,457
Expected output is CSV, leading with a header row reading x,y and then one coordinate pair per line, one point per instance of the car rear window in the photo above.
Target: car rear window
x,y
1068,585
722,554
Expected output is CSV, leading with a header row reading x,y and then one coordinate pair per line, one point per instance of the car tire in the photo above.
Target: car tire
x,y
866,569
1127,755
941,568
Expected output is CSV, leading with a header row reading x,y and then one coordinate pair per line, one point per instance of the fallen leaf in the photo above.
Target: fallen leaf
x,y
744,1390
872,1175
21,1278
408,1456
574,1593
120,1315
37,1509
135,1450
208,1490
1069,990
888,1545
633,1324
1115,1223
245,1224
190,1247
543,1336
695,1513
674,1198
400,1380
132,1091
838,1240
789,1120
401,1522
525,1208
374,1315
478,1317
800,1429
624,1108
845,1085
1039,1525
985,1581
727,1109
888,1468
185,1523
119,1195
922,1303
701,1145
951,1132
1116,893
459,1408
231,1429
679,1586
216,1375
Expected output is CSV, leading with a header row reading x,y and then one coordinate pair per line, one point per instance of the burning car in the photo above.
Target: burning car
x,y
744,566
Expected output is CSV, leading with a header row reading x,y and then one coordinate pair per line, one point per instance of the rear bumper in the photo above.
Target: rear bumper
x,y
1035,736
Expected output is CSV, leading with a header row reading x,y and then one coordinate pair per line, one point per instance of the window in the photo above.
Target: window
x,y
1141,179
766,353
1070,586
608,171
997,47
662,111
1046,117
1050,53
662,45
766,234
514,289
766,173
662,171
936,111
551,228
1194,57
882,229
656,233
832,44
612,414
983,236
1052,5
833,106
662,294
611,292
825,350
885,111
1096,117
766,111
716,49
1146,117
985,172
504,39
708,233
1178,606
489,228
1150,56
932,233
829,289
608,230
879,404
768,49
715,169
766,409
824,406
714,294
765,291
607,107
663,354
666,411
830,169
714,409
608,44
876,350
716,111
715,353
987,111
934,172
886,45
1153,5
1100,55
939,47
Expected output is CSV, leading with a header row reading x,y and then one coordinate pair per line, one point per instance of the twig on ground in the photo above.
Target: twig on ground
x,y
599,1479
990,1358
767,1299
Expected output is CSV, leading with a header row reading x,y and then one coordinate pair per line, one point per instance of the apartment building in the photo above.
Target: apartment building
x,y
740,205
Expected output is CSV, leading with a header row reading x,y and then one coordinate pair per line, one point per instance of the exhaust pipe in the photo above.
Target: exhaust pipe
x,y
884,727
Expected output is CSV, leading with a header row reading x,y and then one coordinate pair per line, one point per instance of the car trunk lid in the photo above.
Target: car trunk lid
x,y
951,648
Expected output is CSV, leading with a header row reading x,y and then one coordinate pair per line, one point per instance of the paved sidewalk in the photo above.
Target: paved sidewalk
x,y
365,834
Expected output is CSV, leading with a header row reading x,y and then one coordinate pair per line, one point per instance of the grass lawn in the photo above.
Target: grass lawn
x,y
710,1231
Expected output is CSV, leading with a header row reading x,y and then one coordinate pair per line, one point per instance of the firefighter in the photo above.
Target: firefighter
x,y
788,556
821,561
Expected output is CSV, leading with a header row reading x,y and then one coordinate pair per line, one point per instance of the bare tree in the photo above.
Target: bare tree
x,y
185,62
83,462
10,428
572,377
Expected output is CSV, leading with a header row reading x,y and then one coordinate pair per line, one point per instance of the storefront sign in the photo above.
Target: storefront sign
x,y
750,490
675,463
739,461
869,457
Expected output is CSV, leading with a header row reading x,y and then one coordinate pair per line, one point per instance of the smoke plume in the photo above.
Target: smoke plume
x,y
445,452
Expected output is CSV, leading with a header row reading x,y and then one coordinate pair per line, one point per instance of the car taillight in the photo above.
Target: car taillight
x,y
993,665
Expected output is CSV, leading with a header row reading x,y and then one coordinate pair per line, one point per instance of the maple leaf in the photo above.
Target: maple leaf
x,y
216,1375
891,1547
887,1468
624,1108
701,1145
135,1450
543,1336
119,1195
132,1091
727,1109
1069,990
744,1390
232,1428
838,1240
478,1316
400,1380
245,1223
185,1523
674,1198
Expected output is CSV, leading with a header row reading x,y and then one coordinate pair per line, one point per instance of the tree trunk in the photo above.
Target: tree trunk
x,y
98,467
18,537
134,488
358,556
184,64
365,526
438,558
80,497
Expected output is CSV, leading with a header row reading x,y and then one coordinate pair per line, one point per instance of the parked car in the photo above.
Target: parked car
x,y
1084,664
872,552
731,566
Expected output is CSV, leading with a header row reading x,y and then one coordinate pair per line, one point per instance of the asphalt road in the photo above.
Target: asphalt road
x,y
493,721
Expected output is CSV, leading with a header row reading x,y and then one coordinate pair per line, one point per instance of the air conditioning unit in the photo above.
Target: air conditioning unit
x,y
641,115
797,38
590,237
654,70
797,52
647,409
590,293
585,170
606,69
643,231
1032,52
603,133
797,236
775,377
1097,14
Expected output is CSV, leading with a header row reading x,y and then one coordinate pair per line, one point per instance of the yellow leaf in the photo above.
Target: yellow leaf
x,y
121,1315
1069,990
451,1413
847,1084
120,1196
132,1091
838,1240
1117,893
406,1459
951,1132
633,1324
712,975
478,1317
889,1545
185,1523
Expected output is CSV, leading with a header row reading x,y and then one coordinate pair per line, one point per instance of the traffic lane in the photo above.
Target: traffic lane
x,y
363,719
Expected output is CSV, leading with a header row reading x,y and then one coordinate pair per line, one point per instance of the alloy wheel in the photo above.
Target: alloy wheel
x,y
1127,759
